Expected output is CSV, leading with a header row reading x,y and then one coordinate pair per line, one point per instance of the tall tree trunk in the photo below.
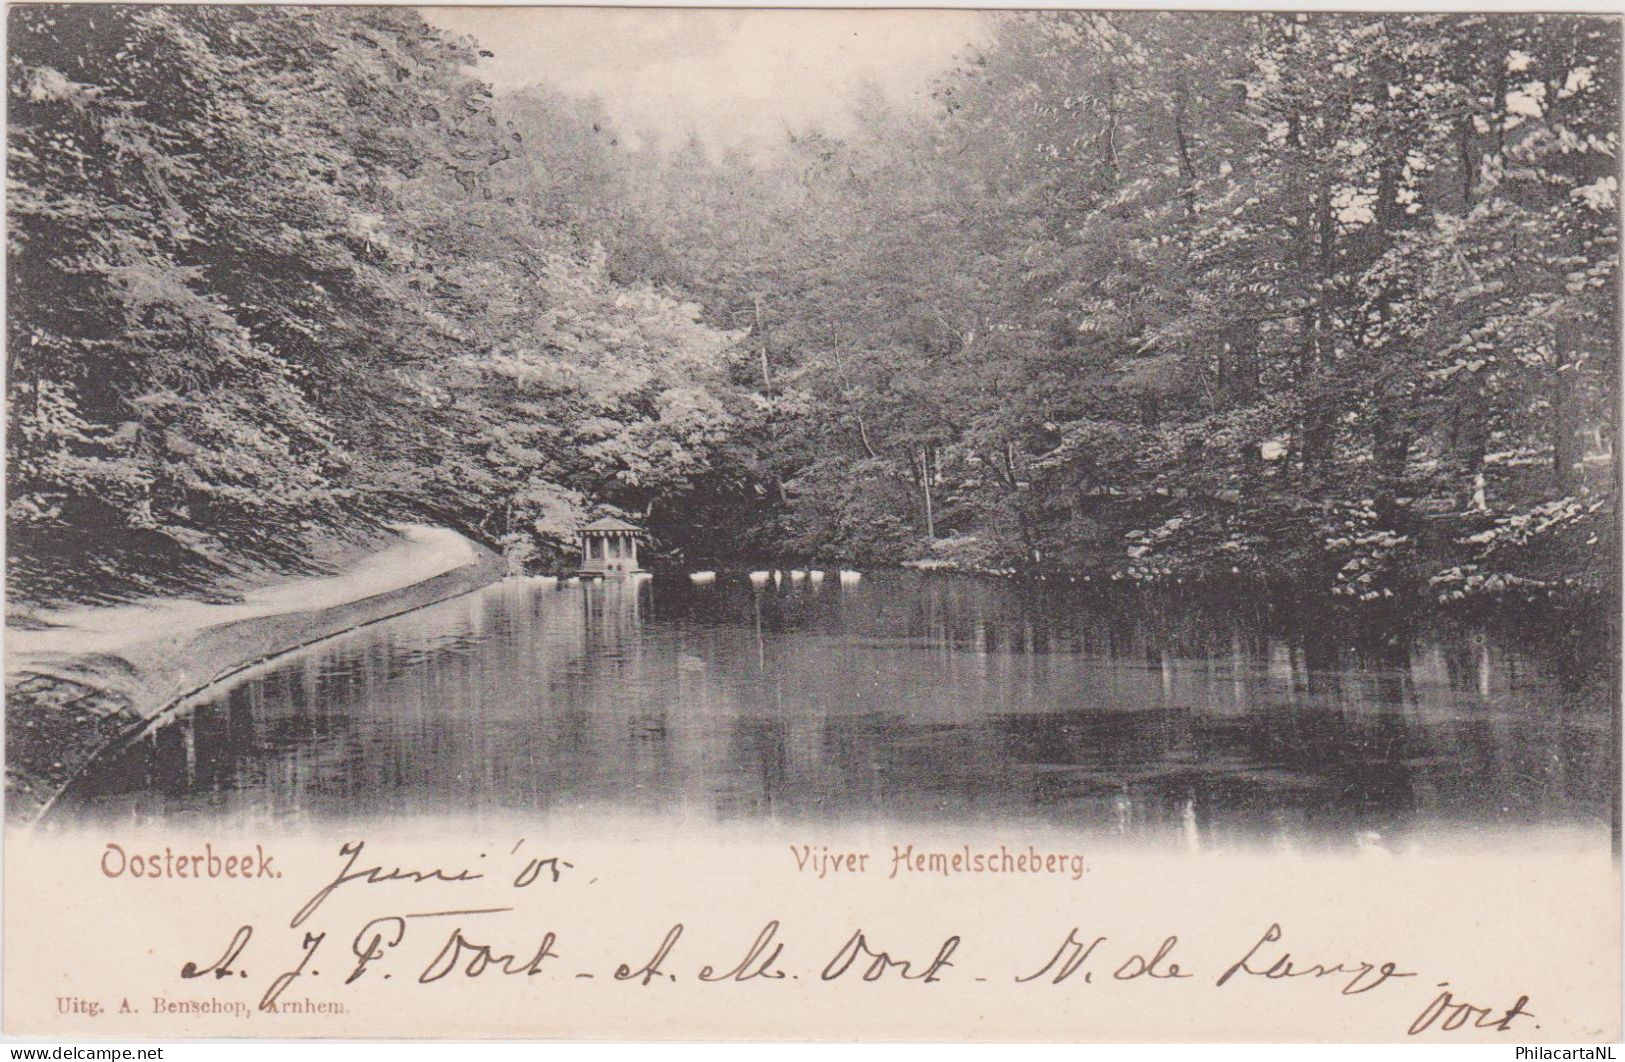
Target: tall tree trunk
x,y
1109,133
863,437
857,412
925,487
1565,436
1467,159
1391,446
1318,422
761,337
1470,439
1187,169
767,392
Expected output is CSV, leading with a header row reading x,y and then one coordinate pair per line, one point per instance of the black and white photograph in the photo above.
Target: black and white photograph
x,y
908,441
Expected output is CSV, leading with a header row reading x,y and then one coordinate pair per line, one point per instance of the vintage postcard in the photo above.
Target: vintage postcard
x,y
769,524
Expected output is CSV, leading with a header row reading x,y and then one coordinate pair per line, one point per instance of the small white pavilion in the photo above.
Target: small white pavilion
x,y
609,547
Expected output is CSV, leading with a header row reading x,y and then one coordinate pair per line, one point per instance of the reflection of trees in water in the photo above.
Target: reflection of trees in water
x,y
971,615
905,698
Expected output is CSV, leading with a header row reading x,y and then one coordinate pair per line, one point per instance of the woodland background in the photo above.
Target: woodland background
x,y
1321,303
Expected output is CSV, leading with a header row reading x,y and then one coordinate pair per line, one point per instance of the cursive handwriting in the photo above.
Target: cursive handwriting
x,y
857,947
1450,1015
384,943
308,948
475,959
651,970
370,944
221,967
1285,966
372,876
754,964
1067,960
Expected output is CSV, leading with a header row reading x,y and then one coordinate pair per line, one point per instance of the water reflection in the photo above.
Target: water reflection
x,y
903,698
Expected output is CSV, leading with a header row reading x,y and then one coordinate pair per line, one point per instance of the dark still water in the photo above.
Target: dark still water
x,y
900,698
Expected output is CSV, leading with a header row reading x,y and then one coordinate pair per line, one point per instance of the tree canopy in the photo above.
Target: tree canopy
x,y
1327,300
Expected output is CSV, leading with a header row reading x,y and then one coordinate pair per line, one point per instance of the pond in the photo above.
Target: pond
x,y
893,698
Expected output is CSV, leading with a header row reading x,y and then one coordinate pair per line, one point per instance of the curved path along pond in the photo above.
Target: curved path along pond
x,y
898,698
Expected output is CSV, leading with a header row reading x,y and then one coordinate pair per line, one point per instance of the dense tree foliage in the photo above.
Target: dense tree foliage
x,y
284,271
1326,299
